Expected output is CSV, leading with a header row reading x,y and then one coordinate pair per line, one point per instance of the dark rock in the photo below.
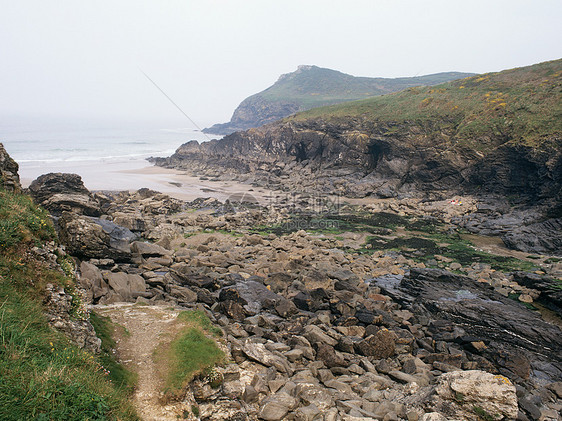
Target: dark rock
x,y
458,304
540,237
550,291
380,345
328,355
9,177
58,192
87,237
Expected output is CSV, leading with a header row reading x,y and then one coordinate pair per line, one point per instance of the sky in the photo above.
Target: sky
x,y
84,60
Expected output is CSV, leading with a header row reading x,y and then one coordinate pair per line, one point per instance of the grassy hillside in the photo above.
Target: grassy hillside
x,y
42,375
522,105
313,86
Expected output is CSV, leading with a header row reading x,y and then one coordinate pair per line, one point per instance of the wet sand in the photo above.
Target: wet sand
x,y
136,174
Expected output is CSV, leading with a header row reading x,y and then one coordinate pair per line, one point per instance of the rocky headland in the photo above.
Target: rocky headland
x,y
495,137
372,286
313,86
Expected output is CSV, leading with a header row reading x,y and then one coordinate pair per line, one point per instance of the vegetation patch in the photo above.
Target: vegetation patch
x,y
42,375
45,377
424,248
190,353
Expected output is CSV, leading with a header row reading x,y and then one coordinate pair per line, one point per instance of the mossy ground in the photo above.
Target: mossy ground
x,y
193,351
418,238
42,375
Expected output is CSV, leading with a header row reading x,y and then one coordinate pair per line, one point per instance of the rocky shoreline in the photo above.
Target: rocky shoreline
x,y
316,325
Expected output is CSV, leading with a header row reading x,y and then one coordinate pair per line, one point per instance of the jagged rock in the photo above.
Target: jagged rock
x,y
540,237
129,287
462,310
380,345
550,291
9,177
258,352
494,394
58,192
328,355
317,336
148,249
87,237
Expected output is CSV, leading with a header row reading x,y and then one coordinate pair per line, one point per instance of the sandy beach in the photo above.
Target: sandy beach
x,y
136,174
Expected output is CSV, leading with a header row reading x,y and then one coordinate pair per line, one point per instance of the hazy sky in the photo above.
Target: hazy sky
x,y
81,59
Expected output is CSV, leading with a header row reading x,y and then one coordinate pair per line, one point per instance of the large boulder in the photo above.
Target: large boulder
x,y
9,178
92,238
128,286
476,392
540,237
58,192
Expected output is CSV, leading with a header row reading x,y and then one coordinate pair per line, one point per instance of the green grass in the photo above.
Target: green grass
x,y
318,86
520,105
42,375
200,319
22,221
423,248
190,353
120,376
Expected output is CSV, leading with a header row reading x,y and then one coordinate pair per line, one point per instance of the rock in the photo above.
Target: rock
x,y
184,295
258,352
492,393
58,193
433,416
87,238
308,413
92,280
9,177
250,394
329,356
127,286
58,307
380,345
275,407
539,237
148,249
461,308
317,336
550,293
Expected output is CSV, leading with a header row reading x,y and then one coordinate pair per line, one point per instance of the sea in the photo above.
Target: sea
x,y
108,156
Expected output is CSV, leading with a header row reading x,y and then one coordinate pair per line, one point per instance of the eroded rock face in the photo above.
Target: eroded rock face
x,y
9,177
59,305
58,192
468,312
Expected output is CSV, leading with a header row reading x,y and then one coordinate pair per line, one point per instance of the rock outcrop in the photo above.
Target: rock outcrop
x,y
58,192
9,177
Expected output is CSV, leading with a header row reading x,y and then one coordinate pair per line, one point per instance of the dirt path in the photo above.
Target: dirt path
x,y
145,327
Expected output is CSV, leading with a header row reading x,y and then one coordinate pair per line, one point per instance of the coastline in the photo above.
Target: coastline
x,y
133,175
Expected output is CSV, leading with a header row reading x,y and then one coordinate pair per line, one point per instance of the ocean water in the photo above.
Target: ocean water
x,y
106,155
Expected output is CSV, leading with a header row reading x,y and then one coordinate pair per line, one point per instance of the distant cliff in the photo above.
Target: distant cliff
x,y
499,133
312,86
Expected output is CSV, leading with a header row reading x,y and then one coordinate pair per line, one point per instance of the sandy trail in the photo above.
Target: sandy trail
x,y
145,327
